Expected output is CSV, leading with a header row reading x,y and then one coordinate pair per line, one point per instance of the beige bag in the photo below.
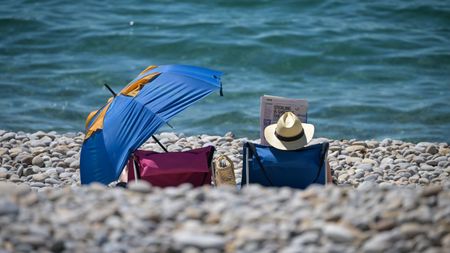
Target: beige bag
x,y
224,171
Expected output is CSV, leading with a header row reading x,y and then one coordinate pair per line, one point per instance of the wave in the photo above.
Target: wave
x,y
382,67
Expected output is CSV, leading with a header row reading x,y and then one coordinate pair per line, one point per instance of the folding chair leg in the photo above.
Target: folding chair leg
x,y
213,172
328,177
135,170
246,167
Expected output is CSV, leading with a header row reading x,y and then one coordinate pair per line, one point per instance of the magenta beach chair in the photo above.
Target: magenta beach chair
x,y
173,168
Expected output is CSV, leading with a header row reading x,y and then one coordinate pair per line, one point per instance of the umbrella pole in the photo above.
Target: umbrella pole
x,y
111,90
159,143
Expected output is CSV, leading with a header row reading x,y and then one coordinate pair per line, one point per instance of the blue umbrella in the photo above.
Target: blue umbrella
x,y
132,116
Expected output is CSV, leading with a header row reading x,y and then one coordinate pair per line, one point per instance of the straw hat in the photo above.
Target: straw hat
x,y
289,133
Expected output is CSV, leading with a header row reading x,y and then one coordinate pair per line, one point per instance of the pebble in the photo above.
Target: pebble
x,y
432,162
257,219
26,159
65,175
391,196
3,175
39,177
8,208
446,241
28,172
352,160
6,137
426,167
52,181
338,233
431,190
424,181
200,240
371,178
378,243
140,186
75,164
364,167
432,149
355,148
38,161
410,230
37,184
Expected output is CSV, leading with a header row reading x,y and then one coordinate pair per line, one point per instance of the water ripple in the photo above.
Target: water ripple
x,y
370,69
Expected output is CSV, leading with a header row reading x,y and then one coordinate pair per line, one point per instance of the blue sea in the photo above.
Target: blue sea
x,y
369,69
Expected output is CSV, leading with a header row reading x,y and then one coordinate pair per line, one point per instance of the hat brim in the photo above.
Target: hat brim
x,y
269,134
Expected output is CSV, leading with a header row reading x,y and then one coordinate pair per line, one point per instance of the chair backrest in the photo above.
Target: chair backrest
x,y
173,168
269,166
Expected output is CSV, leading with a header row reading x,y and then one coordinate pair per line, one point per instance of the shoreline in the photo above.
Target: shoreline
x,y
389,196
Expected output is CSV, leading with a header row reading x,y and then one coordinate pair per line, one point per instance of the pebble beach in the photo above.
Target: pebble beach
x,y
387,196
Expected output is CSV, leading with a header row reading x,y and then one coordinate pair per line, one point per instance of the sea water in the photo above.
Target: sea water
x,y
369,69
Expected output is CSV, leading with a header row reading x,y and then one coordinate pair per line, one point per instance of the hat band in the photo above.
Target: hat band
x,y
292,138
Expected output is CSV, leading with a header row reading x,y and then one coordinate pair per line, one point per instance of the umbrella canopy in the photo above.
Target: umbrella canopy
x,y
130,118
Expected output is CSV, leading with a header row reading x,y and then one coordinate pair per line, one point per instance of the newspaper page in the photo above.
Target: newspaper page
x,y
273,107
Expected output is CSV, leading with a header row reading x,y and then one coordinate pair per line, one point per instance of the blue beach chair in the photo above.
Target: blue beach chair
x,y
269,166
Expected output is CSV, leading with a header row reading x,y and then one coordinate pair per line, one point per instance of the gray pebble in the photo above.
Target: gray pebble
x,y
202,241
52,181
378,243
37,184
338,233
7,136
140,186
40,177
25,158
28,172
8,208
432,149
379,216
38,161
75,164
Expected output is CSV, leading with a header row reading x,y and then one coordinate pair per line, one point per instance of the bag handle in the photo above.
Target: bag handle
x,y
220,157
322,160
258,159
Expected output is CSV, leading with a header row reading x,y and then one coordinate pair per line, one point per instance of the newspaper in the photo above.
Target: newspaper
x,y
273,107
